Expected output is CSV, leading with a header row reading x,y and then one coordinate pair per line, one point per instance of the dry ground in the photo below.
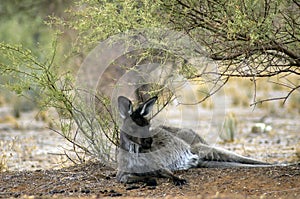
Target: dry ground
x,y
94,180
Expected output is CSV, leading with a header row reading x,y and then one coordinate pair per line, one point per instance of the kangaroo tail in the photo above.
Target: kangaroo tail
x,y
217,164
219,157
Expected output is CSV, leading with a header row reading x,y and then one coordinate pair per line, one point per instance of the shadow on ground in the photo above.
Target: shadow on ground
x,y
95,180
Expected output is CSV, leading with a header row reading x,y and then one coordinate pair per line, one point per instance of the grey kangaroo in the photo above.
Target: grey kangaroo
x,y
145,154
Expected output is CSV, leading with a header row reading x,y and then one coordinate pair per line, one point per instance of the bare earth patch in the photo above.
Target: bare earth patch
x,y
30,161
94,180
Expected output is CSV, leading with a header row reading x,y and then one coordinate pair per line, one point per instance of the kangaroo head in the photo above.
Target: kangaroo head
x,y
135,126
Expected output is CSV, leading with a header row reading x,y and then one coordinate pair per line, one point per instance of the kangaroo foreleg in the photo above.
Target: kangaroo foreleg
x,y
166,173
129,178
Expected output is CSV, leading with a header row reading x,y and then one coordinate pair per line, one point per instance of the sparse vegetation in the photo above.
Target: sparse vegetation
x,y
230,128
253,40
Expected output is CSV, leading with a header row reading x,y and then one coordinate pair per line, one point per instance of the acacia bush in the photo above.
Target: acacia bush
x,y
247,39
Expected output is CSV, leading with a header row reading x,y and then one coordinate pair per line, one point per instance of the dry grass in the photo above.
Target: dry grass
x,y
2,100
241,93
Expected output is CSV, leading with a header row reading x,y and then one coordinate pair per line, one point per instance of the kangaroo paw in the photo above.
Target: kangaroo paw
x,y
179,182
151,182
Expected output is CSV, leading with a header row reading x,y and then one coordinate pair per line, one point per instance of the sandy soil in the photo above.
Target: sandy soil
x,y
94,180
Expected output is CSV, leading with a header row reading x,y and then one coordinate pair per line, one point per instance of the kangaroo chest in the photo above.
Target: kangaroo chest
x,y
174,152
167,151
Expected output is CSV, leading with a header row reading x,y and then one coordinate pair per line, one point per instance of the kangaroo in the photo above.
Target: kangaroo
x,y
144,154
135,160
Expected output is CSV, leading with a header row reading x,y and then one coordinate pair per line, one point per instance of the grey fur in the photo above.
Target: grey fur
x,y
146,153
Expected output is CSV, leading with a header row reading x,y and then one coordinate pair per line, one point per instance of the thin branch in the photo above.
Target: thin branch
x,y
71,141
284,98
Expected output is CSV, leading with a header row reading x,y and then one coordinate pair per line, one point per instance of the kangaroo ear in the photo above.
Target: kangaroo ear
x,y
125,106
147,106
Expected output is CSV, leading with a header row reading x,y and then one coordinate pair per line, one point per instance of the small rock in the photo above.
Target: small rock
x,y
55,191
261,128
115,194
278,141
86,191
104,191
